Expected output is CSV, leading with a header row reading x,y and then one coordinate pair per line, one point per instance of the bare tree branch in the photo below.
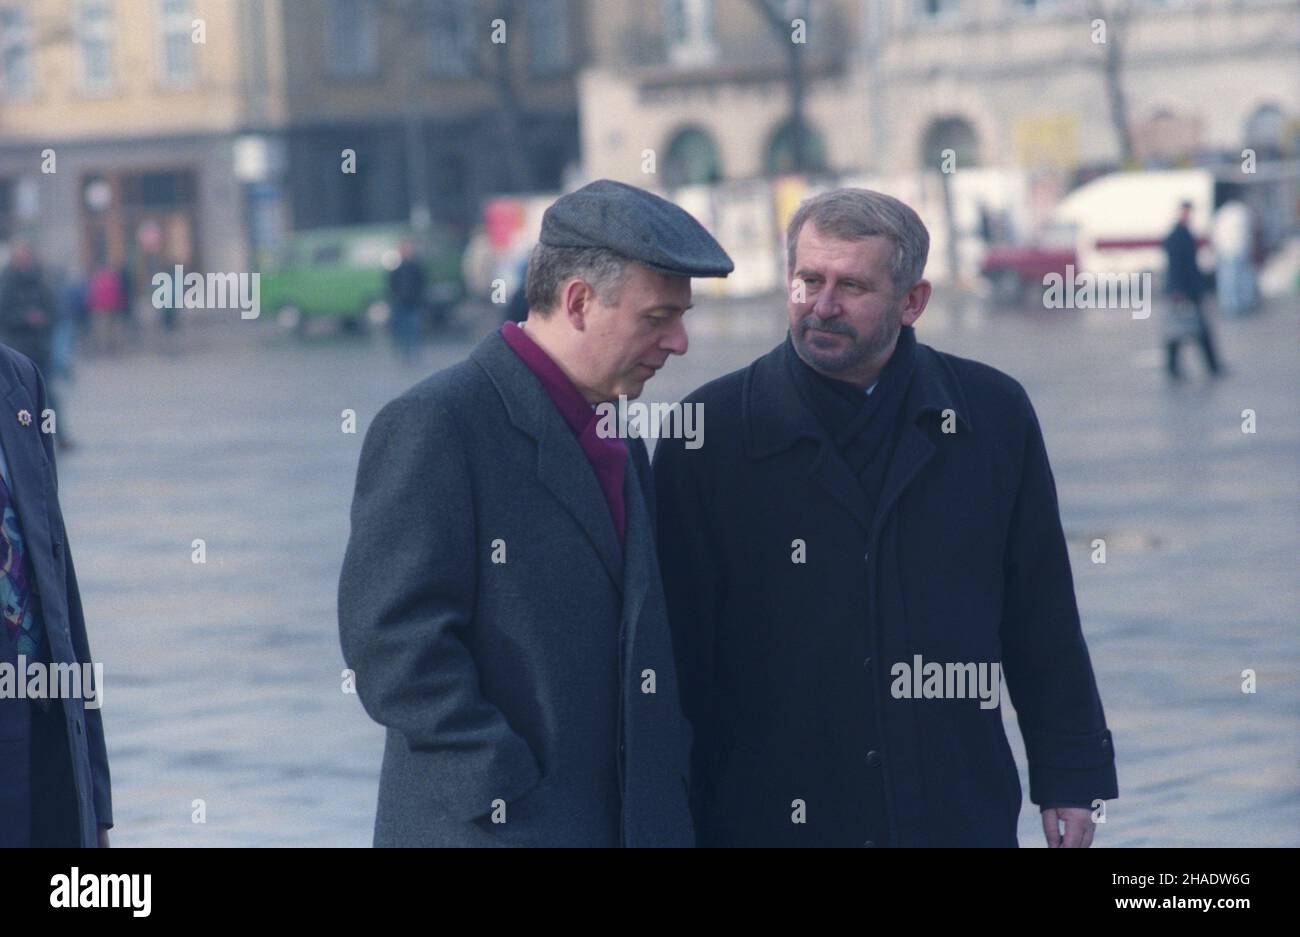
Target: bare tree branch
x,y
1115,16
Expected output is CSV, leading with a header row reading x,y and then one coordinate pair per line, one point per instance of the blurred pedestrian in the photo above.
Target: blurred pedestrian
x,y
29,313
406,288
1186,286
159,263
106,301
72,323
1234,275
126,308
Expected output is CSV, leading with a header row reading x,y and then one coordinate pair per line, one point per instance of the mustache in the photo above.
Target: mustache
x,y
812,321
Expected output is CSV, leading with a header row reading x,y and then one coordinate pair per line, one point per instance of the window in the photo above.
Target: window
x,y
949,133
548,35
1265,131
779,158
351,37
451,38
95,44
692,159
934,10
689,31
327,255
176,48
15,52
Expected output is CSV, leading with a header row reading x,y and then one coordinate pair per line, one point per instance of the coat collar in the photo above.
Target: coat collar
x,y
775,418
562,467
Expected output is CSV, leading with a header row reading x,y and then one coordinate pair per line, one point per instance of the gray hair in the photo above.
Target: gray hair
x,y
550,267
854,214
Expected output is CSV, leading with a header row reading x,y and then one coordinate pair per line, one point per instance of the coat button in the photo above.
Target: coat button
x,y
866,664
869,844
866,557
873,758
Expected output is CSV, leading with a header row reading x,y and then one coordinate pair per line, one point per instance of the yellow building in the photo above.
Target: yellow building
x,y
213,126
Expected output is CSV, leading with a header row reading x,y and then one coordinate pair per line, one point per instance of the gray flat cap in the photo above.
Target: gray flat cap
x,y
637,224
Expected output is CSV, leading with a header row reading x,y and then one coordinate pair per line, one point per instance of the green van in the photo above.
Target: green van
x,y
340,275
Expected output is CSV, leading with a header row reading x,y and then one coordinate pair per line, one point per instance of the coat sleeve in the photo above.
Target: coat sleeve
x,y
406,599
96,747
693,588
1044,657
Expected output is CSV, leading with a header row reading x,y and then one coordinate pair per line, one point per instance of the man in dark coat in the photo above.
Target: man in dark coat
x,y
1185,285
28,309
406,297
500,600
866,541
54,781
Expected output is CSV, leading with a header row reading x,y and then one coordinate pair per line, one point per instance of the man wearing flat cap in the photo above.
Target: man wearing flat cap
x,y
500,601
869,542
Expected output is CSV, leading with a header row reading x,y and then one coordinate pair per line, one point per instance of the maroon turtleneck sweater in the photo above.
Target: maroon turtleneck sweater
x,y
608,457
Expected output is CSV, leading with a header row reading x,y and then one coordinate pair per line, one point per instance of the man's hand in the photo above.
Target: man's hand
x,y
103,837
1078,827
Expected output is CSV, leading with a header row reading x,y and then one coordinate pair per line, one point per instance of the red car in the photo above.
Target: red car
x,y
1015,269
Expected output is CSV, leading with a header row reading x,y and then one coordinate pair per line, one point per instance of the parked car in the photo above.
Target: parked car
x,y
340,275
1014,270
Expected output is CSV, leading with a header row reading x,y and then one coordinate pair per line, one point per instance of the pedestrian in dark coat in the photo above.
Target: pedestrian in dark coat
x,y
863,507
407,284
1185,285
28,309
500,600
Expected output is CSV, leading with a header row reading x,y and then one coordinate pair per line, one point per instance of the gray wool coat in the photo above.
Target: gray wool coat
x,y
519,659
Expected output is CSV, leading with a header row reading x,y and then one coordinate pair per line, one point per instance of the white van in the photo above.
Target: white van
x,y
1121,219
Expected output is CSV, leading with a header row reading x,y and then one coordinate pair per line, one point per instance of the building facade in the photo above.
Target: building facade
x,y
200,131
892,84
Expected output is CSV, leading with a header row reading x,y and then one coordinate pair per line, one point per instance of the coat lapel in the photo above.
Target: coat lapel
x,y
639,548
562,466
934,389
776,418
28,470
831,471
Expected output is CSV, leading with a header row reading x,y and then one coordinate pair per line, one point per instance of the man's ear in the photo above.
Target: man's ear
x,y
915,301
575,302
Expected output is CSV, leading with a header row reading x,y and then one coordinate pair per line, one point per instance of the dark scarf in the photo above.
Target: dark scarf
x,y
862,427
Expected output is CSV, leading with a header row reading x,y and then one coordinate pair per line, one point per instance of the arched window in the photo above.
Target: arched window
x,y
780,150
692,159
1265,131
949,133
